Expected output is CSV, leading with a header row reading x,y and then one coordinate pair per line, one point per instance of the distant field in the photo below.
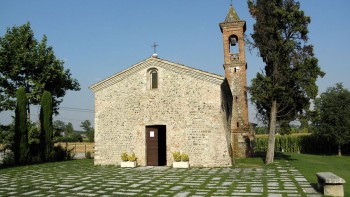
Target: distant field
x,y
79,147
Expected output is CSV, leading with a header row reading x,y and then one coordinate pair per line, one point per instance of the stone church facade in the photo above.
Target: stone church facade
x,y
157,107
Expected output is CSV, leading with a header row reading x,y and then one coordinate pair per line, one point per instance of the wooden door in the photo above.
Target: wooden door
x,y
152,146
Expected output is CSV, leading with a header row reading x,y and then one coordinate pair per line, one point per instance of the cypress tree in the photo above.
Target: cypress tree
x,y
284,90
46,133
21,129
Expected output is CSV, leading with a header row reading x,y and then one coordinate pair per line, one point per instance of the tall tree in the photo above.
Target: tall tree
x,y
21,128
17,49
86,125
69,129
26,62
333,115
58,128
46,133
283,91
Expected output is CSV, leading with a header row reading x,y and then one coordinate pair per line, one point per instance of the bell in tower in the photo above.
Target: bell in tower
x,y
233,40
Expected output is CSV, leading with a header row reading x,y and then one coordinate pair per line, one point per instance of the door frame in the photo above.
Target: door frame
x,y
162,144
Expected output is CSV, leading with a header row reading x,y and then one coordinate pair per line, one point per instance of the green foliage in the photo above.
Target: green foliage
x,y
304,143
285,128
9,158
280,34
34,140
69,135
88,155
177,156
69,129
46,134
62,154
132,157
261,130
333,114
33,134
260,144
303,130
90,132
7,137
21,131
284,143
58,129
289,78
73,137
26,62
124,157
184,157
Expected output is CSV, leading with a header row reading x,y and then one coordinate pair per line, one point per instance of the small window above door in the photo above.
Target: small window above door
x,y
153,78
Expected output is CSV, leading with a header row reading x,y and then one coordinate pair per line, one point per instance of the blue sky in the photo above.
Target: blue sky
x,y
97,39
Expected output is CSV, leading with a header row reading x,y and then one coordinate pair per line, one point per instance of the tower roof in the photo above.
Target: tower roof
x,y
231,15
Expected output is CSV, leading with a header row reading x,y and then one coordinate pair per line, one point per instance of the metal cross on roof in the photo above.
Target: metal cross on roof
x,y
155,47
231,3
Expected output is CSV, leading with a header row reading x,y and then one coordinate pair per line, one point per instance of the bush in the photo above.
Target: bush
x,y
304,143
184,157
62,154
132,157
177,156
88,155
124,157
8,159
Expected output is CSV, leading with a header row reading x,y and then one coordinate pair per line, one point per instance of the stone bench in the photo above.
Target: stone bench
x,y
330,184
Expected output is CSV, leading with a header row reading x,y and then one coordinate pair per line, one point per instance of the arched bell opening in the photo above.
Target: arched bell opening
x,y
234,48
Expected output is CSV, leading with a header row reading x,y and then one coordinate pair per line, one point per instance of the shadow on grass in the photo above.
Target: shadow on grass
x,y
315,186
278,156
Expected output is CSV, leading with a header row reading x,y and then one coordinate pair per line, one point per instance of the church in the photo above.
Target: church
x,y
157,107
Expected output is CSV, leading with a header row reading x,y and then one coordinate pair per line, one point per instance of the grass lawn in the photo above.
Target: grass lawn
x,y
309,165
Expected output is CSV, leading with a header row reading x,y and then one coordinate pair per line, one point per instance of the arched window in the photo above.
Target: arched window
x,y
154,78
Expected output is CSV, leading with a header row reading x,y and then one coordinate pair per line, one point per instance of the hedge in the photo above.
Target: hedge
x,y
305,143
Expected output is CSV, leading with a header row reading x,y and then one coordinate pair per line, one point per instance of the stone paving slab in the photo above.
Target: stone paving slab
x,y
89,180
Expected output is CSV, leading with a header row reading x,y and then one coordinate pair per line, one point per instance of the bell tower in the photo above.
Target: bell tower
x,y
235,72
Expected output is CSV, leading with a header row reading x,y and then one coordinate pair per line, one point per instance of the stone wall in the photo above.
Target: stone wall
x,y
188,102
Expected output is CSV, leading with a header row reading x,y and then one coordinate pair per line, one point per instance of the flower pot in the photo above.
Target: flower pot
x,y
181,164
128,164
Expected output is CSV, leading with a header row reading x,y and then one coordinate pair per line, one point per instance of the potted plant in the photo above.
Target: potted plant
x,y
128,161
180,160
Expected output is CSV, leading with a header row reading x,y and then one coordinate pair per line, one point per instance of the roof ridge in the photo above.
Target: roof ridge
x,y
189,67
175,67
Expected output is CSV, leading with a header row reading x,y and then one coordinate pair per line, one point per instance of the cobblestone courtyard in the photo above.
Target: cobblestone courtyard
x,y
81,178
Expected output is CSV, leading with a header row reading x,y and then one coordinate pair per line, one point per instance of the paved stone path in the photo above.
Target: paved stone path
x,y
83,179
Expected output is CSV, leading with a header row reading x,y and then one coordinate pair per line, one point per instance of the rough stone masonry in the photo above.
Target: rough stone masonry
x,y
205,115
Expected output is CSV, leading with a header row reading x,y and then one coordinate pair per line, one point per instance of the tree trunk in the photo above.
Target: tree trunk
x,y
272,135
339,150
28,113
